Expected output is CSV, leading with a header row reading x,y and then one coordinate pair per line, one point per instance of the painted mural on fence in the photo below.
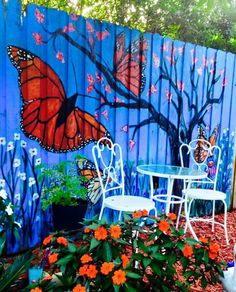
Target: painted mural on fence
x,y
68,81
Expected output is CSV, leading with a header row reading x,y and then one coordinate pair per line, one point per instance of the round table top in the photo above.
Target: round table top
x,y
171,171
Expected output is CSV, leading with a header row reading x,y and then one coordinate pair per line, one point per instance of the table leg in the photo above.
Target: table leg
x,y
169,193
151,187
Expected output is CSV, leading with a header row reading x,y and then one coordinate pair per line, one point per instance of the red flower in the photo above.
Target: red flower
x,y
100,233
164,225
106,268
62,241
48,239
119,277
187,251
115,231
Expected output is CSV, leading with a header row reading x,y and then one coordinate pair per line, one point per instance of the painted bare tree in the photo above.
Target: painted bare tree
x,y
177,95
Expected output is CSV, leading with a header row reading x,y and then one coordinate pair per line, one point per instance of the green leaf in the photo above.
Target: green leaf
x,y
65,260
94,243
146,262
133,275
108,251
130,288
72,248
203,282
116,288
159,256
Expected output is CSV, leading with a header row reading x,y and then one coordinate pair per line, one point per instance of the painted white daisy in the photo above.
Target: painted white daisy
x,y
10,146
3,194
2,141
9,210
38,161
16,162
35,196
22,175
16,136
17,197
33,151
23,144
2,183
31,181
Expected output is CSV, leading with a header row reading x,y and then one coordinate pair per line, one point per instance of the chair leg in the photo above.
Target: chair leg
x,y
188,223
213,215
119,217
101,213
225,222
179,214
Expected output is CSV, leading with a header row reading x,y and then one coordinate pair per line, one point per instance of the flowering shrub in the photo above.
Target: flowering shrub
x,y
20,167
6,218
129,256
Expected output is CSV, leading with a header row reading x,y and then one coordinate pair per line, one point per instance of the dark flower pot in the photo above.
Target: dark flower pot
x,y
68,217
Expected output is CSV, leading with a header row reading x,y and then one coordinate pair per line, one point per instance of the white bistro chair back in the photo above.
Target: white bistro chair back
x,y
201,155
109,165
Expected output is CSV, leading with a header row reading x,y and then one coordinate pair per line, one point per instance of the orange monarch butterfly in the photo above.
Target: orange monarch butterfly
x,y
87,169
201,152
130,63
47,115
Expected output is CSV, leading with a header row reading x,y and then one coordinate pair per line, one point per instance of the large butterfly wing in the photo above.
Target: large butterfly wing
x,y
130,64
87,169
44,101
200,152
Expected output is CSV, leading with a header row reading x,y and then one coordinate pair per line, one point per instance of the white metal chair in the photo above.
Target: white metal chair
x,y
108,155
202,156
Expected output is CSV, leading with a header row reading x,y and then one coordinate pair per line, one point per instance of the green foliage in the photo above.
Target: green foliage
x,y
147,255
9,275
204,22
62,185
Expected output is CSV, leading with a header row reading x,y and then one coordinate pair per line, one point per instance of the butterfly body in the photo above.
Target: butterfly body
x,y
47,115
66,109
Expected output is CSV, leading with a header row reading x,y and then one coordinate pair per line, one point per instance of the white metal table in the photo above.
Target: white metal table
x,y
171,173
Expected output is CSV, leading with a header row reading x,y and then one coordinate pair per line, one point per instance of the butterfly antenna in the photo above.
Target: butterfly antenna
x,y
76,85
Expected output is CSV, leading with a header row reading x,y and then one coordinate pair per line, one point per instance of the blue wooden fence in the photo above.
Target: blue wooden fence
x,y
148,92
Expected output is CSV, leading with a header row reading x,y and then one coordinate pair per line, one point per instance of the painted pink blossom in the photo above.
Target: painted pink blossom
x,y
212,70
96,115
199,71
99,77
38,38
222,72
168,95
192,51
156,60
108,88
194,60
69,28
153,89
90,78
74,17
90,88
171,59
125,128
39,16
118,100
180,85
60,57
131,144
102,100
101,35
204,61
89,27
181,50
165,47
105,114
212,60
224,82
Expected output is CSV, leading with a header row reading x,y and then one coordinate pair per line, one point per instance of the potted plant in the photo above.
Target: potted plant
x,y
63,190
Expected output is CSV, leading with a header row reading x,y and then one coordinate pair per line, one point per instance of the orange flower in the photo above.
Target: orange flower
x,y
87,230
172,216
214,247
52,258
83,270
144,212
115,231
212,255
79,288
203,240
47,240
137,214
125,260
119,277
86,259
163,225
62,240
47,278
92,271
106,268
37,289
100,233
187,251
